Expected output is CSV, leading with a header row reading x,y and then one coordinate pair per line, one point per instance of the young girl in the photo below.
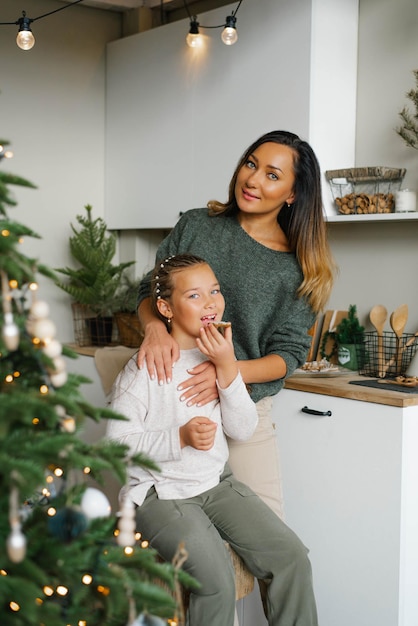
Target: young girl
x,y
195,498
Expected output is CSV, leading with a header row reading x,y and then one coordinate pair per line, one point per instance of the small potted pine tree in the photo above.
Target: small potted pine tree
x,y
94,284
347,337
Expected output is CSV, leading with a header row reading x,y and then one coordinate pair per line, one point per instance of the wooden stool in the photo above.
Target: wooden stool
x,y
244,582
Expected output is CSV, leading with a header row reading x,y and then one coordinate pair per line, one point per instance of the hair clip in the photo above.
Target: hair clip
x,y
166,261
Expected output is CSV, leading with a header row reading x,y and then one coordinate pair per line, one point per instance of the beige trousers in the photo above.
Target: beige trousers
x,y
256,462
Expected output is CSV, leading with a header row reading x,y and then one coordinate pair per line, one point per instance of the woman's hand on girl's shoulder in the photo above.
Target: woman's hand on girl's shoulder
x,y
158,351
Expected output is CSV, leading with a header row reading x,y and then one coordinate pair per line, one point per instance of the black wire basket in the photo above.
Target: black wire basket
x,y
384,356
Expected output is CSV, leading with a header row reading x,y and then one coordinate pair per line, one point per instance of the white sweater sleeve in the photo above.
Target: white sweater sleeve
x,y
239,412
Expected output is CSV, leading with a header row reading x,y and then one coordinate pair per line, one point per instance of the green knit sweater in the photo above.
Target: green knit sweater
x,y
259,286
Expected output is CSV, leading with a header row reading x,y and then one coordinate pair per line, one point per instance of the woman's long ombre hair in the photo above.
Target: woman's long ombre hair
x,y
303,222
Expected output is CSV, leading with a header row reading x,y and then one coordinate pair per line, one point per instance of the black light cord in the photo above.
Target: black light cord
x,y
236,10
207,27
67,6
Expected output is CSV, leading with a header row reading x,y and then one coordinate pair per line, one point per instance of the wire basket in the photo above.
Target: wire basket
x,y
384,356
364,190
89,329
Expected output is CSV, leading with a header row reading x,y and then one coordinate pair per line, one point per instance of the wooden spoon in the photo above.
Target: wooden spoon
x,y
398,320
378,316
408,343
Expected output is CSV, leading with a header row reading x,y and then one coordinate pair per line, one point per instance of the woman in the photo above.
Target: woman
x,y
268,247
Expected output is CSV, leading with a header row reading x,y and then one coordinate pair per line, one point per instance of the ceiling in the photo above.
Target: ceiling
x,y
168,6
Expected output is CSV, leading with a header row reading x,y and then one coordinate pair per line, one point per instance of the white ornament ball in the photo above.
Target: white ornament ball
x,y
125,539
39,310
43,329
127,525
58,380
60,410
59,365
52,348
94,504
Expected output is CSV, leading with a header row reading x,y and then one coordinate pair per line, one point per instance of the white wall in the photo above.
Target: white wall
x,y
52,110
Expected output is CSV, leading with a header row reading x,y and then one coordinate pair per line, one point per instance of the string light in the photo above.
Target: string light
x,y
5,154
25,38
87,579
229,33
194,38
48,591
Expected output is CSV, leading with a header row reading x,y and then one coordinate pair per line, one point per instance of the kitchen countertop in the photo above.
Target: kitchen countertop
x,y
339,387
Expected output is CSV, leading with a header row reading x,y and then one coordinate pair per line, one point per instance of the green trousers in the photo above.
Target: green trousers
x,y
232,512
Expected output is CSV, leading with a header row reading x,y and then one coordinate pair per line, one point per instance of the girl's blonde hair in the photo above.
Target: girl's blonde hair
x,y
302,222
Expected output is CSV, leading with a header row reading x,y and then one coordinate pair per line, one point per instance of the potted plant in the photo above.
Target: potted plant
x,y
408,131
348,337
94,284
126,316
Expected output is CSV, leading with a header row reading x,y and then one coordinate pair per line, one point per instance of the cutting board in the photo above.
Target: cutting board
x,y
314,332
330,321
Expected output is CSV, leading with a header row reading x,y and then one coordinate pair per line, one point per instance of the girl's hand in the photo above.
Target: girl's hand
x,y
215,345
201,387
159,351
219,349
199,433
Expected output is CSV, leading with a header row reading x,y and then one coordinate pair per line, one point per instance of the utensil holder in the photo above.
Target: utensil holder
x,y
385,357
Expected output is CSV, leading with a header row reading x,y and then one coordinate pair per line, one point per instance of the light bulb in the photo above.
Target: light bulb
x,y
194,39
25,39
229,34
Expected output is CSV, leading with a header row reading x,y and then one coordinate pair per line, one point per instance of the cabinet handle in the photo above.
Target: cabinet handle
x,y
315,412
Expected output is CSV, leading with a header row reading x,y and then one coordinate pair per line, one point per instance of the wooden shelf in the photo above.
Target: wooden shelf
x,y
372,217
89,350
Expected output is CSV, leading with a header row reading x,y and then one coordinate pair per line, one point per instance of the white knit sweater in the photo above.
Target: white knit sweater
x,y
155,414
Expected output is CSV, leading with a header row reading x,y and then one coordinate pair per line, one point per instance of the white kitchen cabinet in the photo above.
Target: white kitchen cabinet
x,y
350,482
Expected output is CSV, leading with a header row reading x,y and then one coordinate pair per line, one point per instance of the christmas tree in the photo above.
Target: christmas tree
x,y
65,560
